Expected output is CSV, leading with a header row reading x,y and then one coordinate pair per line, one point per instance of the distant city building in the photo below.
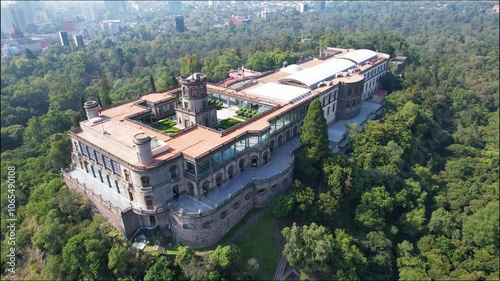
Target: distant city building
x,y
114,6
179,23
175,7
322,5
69,26
25,6
302,7
266,14
89,12
78,39
237,20
111,26
17,43
12,16
63,37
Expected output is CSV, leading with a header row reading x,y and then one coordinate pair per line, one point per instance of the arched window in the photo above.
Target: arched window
x,y
127,175
287,135
271,146
230,172
242,165
265,158
191,188
248,196
145,181
255,161
175,189
173,172
218,179
193,92
149,202
347,105
294,131
206,187
184,91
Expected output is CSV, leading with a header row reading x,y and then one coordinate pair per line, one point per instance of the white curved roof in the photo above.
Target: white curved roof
x,y
310,77
360,56
292,68
279,92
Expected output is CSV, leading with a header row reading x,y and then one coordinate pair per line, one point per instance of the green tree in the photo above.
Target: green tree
x,y
104,91
314,138
162,269
152,83
118,259
281,205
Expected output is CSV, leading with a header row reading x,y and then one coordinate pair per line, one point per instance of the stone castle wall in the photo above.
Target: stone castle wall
x,y
204,229
113,215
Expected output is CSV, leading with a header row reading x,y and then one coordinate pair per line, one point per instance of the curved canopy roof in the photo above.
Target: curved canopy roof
x,y
279,92
312,76
292,68
360,56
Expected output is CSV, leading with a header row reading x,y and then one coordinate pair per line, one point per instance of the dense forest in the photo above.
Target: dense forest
x,y
417,199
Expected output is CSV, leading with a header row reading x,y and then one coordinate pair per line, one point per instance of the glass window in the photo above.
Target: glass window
x,y
145,182
116,167
216,159
240,146
173,172
83,148
265,138
190,168
149,202
98,157
228,153
91,152
107,162
252,141
204,166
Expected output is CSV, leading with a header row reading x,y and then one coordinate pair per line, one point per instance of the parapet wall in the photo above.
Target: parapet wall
x,y
113,215
204,229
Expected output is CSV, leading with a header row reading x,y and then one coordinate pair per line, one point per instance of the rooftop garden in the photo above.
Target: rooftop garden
x,y
228,123
166,126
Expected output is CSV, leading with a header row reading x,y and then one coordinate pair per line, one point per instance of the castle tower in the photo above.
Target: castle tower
x,y
195,108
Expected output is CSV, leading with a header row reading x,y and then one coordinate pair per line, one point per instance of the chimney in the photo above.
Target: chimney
x,y
143,145
91,109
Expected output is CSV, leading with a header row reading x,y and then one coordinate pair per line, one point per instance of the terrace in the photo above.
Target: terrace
x,y
281,159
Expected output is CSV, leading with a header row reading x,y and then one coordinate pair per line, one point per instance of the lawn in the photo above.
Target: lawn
x,y
227,123
264,242
166,126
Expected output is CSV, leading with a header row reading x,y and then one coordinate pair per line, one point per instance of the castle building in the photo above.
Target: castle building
x,y
196,184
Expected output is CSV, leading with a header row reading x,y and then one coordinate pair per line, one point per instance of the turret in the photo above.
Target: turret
x,y
143,146
91,109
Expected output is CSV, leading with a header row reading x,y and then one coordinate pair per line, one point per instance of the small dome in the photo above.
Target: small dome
x,y
292,68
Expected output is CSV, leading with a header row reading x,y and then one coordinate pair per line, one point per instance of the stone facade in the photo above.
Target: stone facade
x,y
200,182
